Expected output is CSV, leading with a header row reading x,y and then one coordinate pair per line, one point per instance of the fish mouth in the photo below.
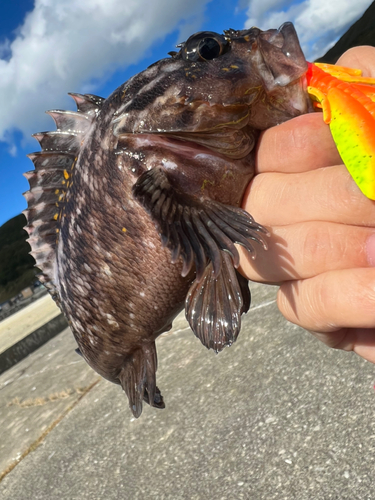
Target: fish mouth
x,y
282,56
282,67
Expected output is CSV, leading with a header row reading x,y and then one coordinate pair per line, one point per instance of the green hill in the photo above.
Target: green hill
x,y
16,265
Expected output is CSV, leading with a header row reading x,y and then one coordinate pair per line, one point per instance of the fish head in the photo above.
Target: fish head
x,y
263,70
218,82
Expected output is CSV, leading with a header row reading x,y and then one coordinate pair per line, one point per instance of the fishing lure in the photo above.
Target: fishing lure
x,y
347,101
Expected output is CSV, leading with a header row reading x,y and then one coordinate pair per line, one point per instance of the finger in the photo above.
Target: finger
x,y
304,143
304,250
327,194
330,301
359,340
360,58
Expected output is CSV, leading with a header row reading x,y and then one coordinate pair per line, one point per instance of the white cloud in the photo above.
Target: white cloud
x,y
63,44
259,12
319,23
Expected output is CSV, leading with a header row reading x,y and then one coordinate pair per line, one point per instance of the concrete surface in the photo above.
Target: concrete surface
x,y
26,330
276,416
22,323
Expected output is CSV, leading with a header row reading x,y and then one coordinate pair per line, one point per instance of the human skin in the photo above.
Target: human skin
x,y
322,245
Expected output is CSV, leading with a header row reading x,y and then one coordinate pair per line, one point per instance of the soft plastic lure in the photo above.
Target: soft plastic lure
x,y
347,101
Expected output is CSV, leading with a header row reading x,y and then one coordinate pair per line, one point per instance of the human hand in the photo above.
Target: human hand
x,y
322,245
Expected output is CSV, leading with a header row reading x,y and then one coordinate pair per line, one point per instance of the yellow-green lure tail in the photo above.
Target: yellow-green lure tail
x,y
347,100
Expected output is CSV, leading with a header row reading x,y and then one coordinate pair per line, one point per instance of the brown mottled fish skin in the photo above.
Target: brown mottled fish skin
x,y
132,203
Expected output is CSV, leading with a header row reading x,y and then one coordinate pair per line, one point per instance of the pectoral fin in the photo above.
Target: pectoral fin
x,y
197,230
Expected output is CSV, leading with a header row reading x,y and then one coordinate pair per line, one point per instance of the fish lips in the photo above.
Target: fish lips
x,y
284,61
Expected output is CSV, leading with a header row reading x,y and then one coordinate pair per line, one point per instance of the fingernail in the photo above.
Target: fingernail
x,y
370,249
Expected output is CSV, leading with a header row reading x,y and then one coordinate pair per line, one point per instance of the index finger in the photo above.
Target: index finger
x,y
360,58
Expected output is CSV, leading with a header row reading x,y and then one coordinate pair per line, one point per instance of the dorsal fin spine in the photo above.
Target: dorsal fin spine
x,y
50,179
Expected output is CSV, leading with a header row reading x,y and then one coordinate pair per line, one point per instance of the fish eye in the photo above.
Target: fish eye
x,y
209,48
204,46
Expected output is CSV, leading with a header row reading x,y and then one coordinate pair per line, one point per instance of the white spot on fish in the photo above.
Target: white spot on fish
x,y
106,269
150,72
171,165
173,66
81,290
149,86
111,321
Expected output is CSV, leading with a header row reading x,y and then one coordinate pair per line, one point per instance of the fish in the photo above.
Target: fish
x,y
134,201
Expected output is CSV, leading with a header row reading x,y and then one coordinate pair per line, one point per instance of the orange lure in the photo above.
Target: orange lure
x,y
347,101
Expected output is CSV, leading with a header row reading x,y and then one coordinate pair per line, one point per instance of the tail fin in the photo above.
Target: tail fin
x,y
138,379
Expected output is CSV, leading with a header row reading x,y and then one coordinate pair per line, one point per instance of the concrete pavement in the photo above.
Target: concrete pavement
x,y
26,330
276,416
19,325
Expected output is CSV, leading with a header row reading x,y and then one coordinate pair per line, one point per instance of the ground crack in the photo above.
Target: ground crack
x,y
41,438
41,401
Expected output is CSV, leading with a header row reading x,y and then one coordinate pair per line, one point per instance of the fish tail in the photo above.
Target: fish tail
x,y
138,379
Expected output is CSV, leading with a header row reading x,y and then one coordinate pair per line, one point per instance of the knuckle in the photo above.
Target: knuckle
x,y
363,295
317,243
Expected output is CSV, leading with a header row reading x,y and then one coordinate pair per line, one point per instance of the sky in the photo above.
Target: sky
x,y
50,48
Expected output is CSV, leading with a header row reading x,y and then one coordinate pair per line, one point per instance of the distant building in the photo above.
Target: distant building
x,y
27,292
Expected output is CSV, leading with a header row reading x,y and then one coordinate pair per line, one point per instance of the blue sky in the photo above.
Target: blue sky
x,y
49,48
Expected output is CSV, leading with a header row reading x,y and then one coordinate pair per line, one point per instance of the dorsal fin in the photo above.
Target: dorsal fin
x,y
88,103
50,180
